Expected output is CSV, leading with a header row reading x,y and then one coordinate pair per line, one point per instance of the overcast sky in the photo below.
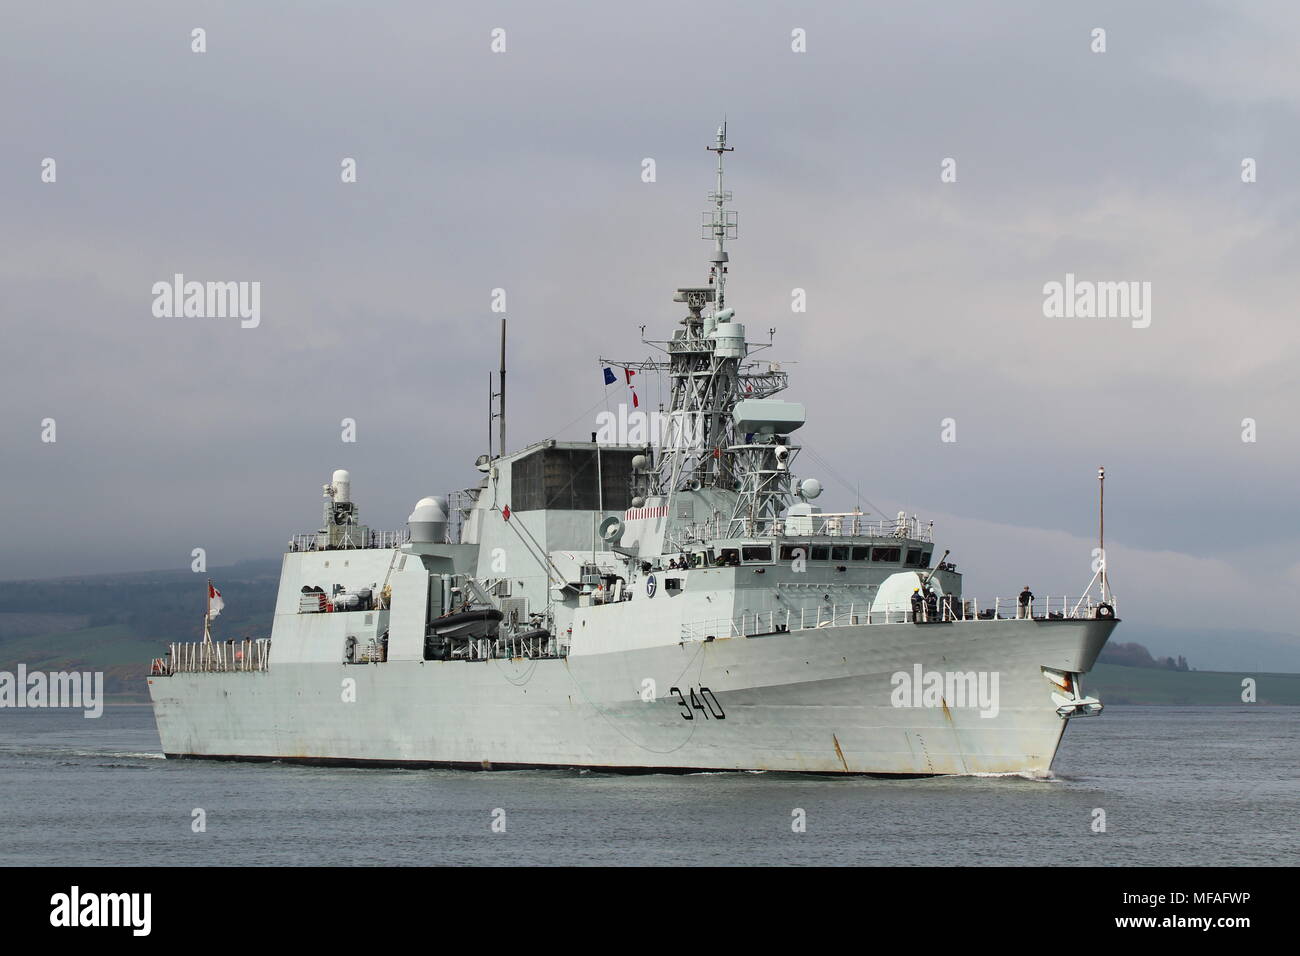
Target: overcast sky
x,y
522,170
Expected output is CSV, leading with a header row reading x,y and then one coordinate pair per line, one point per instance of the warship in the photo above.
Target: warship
x,y
677,603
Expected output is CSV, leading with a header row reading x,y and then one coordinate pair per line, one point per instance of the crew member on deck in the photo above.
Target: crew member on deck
x,y
1026,598
917,601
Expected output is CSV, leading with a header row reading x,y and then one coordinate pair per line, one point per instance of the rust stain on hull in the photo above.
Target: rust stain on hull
x,y
956,738
838,752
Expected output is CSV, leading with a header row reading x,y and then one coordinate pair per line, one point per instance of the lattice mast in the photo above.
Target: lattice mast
x,y
708,374
704,362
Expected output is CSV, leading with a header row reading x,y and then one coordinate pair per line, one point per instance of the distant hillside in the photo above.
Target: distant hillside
x,y
112,648
1115,684
118,623
1135,655
167,605
1219,649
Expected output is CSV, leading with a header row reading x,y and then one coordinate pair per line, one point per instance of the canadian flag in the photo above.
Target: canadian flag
x,y
215,604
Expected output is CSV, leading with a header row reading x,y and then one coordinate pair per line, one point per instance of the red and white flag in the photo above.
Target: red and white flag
x,y
505,512
627,374
215,604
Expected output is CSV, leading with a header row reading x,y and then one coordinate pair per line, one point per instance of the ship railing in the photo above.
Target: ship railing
x,y
320,541
215,657
692,345
460,505
517,647
948,609
839,524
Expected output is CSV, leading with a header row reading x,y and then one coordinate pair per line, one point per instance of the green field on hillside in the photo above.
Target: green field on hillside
x,y
112,645
114,649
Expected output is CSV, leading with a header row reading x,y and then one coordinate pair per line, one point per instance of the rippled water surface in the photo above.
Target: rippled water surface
x,y
1179,786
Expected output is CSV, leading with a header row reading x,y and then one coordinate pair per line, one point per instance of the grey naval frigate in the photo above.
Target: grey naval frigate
x,y
673,603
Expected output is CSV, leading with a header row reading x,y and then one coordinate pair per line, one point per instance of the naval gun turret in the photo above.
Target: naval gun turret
x,y
343,528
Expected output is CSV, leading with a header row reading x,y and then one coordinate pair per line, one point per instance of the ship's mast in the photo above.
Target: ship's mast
x,y
723,224
708,375
704,362
499,398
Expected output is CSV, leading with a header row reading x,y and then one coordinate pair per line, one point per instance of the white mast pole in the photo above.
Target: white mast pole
x,y
1101,526
720,224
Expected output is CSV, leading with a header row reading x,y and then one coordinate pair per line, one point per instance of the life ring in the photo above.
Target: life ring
x,y
1104,612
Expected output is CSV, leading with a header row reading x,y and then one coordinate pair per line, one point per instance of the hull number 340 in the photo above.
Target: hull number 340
x,y
704,701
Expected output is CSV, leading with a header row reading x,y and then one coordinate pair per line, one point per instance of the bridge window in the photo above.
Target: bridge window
x,y
821,552
914,558
753,554
891,555
788,551
861,553
840,552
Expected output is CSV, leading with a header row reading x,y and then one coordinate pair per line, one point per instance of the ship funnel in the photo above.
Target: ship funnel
x,y
428,522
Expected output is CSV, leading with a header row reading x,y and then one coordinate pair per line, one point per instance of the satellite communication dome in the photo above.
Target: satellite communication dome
x,y
428,522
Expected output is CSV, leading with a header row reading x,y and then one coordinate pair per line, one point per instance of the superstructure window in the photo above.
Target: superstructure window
x,y
861,553
788,551
893,555
914,557
755,553
821,552
840,552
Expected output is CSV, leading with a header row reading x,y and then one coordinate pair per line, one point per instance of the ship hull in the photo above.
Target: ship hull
x,y
827,700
